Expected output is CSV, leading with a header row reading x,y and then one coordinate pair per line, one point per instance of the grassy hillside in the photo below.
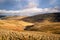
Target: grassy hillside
x,y
46,26
14,24
53,17
44,23
12,17
38,27
26,35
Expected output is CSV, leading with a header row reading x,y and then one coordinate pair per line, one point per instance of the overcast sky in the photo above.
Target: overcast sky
x,y
27,7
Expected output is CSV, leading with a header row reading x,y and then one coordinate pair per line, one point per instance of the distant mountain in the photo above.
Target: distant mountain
x,y
13,17
53,17
1,16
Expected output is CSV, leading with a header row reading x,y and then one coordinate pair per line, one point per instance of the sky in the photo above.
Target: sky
x,y
28,7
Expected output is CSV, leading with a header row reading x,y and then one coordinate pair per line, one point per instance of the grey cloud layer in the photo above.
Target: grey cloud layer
x,y
29,12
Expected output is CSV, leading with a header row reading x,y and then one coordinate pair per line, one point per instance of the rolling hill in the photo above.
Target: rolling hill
x,y
55,17
38,27
44,23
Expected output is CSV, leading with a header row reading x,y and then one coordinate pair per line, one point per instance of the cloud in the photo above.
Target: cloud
x,y
32,3
2,1
29,11
52,2
20,4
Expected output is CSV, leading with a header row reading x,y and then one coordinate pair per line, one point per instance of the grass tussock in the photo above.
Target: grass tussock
x,y
26,35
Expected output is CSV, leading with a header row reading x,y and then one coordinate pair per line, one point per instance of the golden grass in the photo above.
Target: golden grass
x,y
14,30
13,24
26,35
46,26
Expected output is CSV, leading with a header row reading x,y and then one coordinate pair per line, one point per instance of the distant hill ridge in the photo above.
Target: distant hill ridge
x,y
54,17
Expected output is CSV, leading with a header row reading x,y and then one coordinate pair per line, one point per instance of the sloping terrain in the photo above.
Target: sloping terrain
x,y
38,27
12,17
41,17
44,23
26,35
14,24
46,26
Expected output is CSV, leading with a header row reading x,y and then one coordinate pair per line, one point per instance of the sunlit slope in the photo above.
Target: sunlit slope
x,y
42,27
13,24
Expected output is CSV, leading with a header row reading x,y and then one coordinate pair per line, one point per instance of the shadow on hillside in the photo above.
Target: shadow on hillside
x,y
54,17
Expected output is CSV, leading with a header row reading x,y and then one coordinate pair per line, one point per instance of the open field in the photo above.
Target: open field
x,y
14,30
38,27
27,35
13,24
